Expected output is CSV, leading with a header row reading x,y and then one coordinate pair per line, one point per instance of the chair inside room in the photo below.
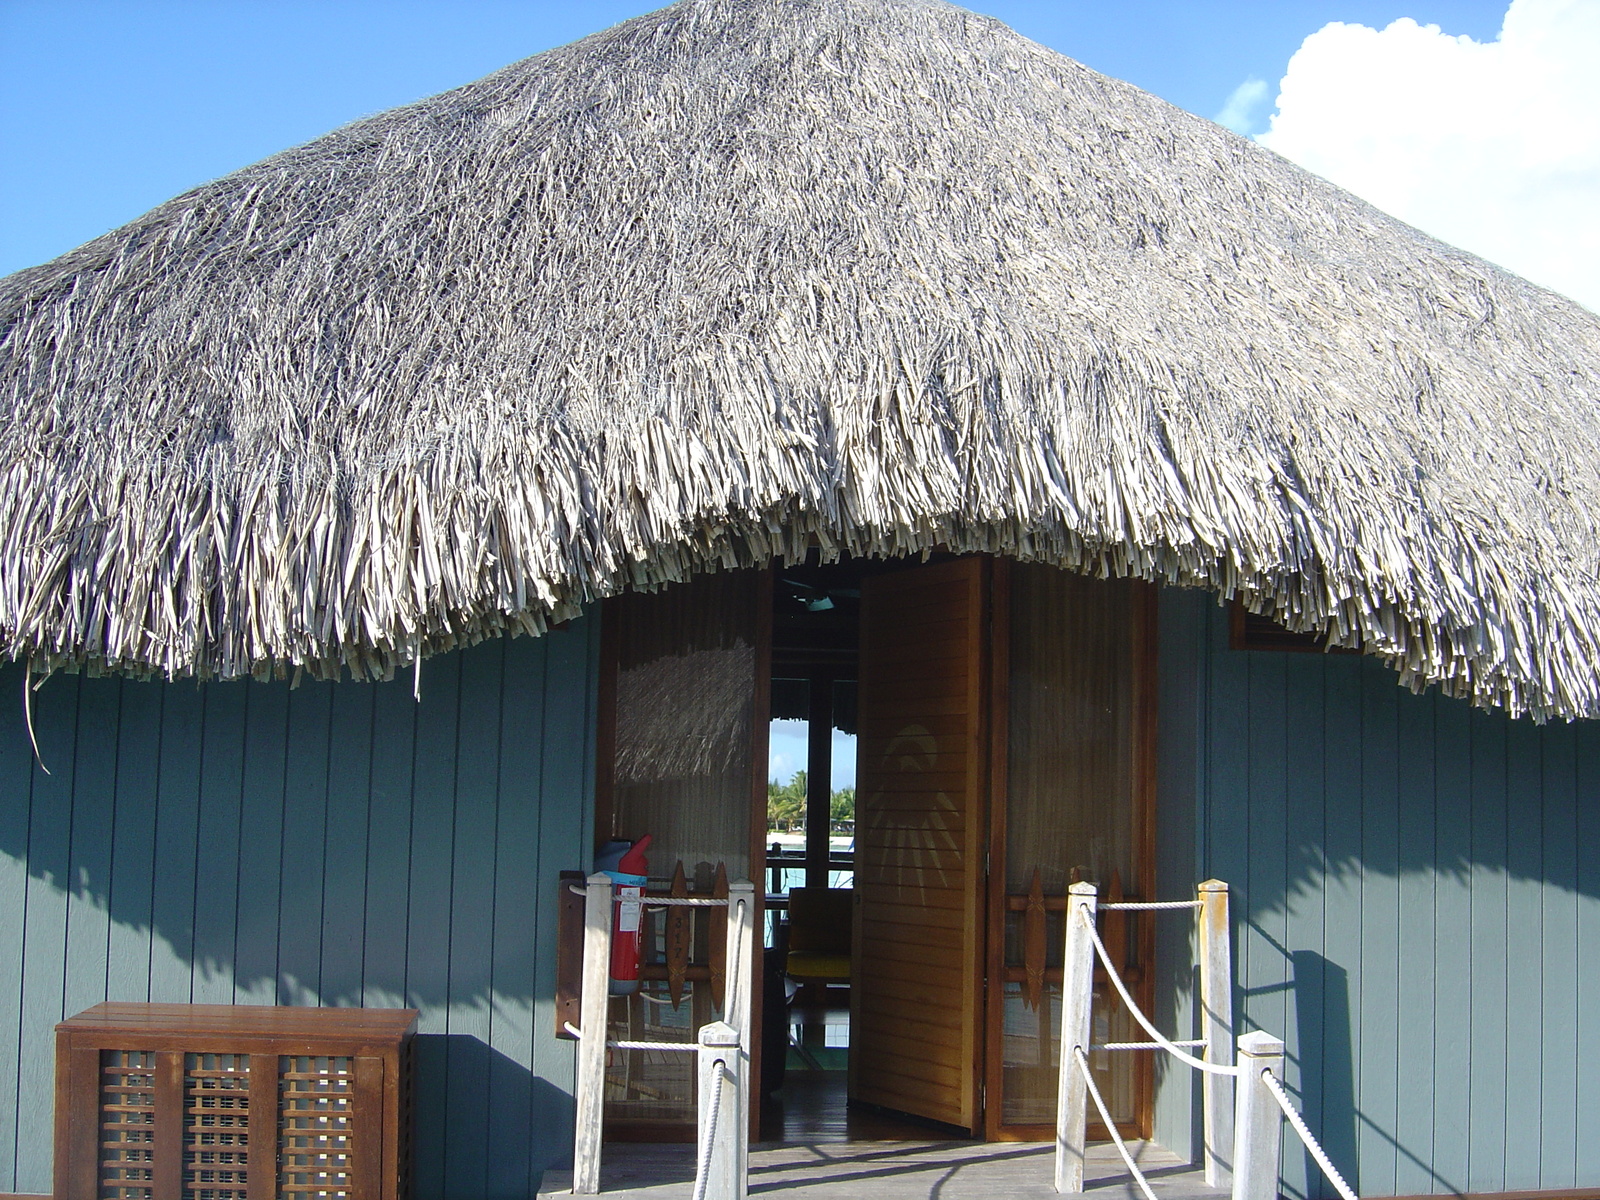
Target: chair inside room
x,y
819,938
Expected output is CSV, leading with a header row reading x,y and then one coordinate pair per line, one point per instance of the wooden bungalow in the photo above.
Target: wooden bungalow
x,y
387,523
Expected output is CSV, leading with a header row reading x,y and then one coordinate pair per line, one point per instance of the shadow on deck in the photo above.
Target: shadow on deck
x,y
894,1171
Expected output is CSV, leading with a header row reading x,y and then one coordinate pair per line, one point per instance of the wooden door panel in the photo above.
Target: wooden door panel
x,y
921,775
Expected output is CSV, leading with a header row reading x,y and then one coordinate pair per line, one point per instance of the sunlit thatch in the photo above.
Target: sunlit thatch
x,y
742,273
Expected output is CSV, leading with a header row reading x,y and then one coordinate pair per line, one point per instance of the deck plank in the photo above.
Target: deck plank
x,y
893,1171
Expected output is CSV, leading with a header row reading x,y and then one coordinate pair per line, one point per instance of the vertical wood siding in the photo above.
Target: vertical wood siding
x,y
334,844
1417,910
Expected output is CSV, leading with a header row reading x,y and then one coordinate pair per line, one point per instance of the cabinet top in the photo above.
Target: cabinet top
x,y
254,1020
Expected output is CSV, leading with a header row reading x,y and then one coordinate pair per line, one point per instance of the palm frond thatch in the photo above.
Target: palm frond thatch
x,y
743,273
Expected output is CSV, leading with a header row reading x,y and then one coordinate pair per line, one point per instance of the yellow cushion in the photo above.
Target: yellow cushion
x,y
805,965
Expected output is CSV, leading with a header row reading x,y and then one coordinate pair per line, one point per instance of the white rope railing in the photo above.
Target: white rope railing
x,y
1111,1126
1150,905
708,1143
1199,1064
1311,1143
666,901
1190,1044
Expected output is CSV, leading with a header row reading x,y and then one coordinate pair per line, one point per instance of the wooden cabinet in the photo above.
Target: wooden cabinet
x,y
233,1102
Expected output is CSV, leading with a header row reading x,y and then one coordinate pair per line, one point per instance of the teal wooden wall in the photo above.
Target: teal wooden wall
x,y
336,844
1417,904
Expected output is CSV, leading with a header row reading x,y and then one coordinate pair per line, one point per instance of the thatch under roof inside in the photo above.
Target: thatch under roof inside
x,y
741,274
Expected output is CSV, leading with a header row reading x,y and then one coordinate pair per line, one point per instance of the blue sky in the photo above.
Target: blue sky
x,y
108,107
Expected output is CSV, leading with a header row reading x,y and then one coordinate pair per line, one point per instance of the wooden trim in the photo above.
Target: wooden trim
x,y
1146,666
78,1105
1253,631
166,1176
999,709
367,1179
264,1130
981,645
760,735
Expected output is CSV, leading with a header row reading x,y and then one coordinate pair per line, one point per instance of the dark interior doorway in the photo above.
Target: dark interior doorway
x,y
810,852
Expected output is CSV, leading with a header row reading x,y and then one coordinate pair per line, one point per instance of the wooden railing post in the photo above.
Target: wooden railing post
x,y
1258,1121
740,958
592,1045
1216,1027
724,1147
1077,997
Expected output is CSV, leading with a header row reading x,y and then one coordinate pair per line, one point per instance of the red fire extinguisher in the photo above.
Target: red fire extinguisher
x,y
630,875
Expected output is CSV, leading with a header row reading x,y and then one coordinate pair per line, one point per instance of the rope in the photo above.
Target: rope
x,y
1144,1021
1111,1126
702,1166
680,1047
665,901
1152,905
1299,1123
1146,1045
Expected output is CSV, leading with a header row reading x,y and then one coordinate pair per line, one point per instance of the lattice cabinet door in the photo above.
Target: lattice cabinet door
x,y
263,1115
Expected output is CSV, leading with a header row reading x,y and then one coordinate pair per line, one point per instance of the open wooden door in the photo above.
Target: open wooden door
x,y
922,773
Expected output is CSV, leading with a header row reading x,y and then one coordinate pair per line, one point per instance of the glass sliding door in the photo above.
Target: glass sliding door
x,y
1071,797
684,729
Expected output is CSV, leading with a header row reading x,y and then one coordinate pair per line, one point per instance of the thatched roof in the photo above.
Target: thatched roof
x,y
744,273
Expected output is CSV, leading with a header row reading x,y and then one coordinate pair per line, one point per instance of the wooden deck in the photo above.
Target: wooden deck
x,y
893,1171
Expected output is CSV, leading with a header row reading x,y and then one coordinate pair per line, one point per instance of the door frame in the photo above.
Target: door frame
x,y
1144,776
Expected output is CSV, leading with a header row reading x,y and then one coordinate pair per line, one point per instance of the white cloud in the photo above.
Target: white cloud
x,y
1491,146
1239,113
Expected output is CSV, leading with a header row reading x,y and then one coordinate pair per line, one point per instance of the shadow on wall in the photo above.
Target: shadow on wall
x,y
337,844
486,1127
1415,885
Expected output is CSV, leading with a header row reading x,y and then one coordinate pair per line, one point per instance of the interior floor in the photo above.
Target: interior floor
x,y
812,1106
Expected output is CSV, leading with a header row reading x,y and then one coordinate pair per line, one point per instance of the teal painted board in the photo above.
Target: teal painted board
x,y
344,880
1414,1026
389,819
566,842
261,816
16,785
1179,724
44,921
89,867
1227,833
1486,1157
1452,1013
428,929
198,790
172,904
1265,964
133,839
471,1045
1524,979
1338,972
1587,1049
516,890
1379,1011
304,865
1306,768
1558,967
216,917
